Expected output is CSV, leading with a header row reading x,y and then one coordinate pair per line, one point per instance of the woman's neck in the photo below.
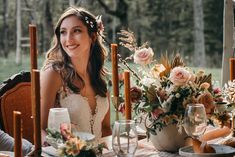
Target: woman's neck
x,y
80,67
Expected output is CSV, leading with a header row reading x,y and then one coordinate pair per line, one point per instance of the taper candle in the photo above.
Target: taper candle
x,y
115,70
33,46
17,133
127,95
232,68
36,111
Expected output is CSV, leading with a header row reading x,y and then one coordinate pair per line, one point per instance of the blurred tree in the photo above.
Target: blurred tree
x,y
199,41
213,22
47,24
5,28
168,25
120,12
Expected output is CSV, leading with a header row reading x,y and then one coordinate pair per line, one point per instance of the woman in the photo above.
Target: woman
x,y
73,75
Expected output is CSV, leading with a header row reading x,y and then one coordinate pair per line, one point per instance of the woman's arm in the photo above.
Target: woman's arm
x,y
50,82
7,143
106,128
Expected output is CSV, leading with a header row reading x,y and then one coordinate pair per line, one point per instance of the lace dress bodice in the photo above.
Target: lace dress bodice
x,y
81,113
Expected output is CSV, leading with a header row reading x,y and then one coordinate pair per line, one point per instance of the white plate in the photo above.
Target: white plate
x,y
52,141
85,136
49,151
220,151
11,154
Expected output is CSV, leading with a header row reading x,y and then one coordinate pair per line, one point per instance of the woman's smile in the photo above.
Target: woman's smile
x,y
72,47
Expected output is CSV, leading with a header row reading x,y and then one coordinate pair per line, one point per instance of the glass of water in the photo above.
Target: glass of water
x,y
124,138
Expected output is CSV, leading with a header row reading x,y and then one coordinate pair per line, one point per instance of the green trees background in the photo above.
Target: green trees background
x,y
167,25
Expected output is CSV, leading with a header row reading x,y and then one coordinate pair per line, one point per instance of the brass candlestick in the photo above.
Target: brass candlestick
x,y
116,103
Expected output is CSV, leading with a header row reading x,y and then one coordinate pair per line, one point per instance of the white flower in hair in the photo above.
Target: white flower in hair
x,y
100,25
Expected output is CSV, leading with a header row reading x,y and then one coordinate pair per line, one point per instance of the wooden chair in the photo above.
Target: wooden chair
x,y
15,95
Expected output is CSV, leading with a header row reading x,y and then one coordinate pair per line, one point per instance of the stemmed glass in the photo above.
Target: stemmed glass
x,y
195,120
58,116
124,138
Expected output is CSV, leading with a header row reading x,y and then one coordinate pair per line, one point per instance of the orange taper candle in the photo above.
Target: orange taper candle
x,y
33,46
36,111
17,133
127,94
232,68
115,70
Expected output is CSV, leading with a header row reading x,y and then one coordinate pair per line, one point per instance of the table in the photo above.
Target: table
x,y
144,149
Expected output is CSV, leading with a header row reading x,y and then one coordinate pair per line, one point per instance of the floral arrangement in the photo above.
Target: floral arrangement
x,y
164,88
72,146
229,91
225,108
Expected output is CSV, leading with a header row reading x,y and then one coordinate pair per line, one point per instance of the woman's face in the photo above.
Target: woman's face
x,y
74,38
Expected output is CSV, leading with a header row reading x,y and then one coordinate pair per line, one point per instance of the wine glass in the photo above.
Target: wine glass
x,y
124,138
195,120
58,116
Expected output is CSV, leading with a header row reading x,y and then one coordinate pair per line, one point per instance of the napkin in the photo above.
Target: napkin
x,y
49,152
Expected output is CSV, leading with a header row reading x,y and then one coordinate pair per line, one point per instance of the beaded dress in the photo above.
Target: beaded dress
x,y
81,113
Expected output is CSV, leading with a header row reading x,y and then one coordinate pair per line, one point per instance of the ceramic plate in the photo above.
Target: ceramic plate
x,y
52,141
49,151
85,136
11,154
221,151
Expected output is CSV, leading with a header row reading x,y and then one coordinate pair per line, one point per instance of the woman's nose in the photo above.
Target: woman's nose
x,y
69,37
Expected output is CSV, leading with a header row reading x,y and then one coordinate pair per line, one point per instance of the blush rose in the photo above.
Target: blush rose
x,y
179,76
143,56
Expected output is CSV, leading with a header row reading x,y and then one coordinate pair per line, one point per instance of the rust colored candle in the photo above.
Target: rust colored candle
x,y
33,46
115,70
232,68
36,111
127,95
17,133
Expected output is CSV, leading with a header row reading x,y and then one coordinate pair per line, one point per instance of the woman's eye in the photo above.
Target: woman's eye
x,y
77,30
62,32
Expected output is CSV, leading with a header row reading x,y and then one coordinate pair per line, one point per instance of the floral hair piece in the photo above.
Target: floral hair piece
x,y
100,25
90,23
97,25
94,25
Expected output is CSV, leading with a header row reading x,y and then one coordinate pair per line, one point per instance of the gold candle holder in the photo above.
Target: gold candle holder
x,y
116,103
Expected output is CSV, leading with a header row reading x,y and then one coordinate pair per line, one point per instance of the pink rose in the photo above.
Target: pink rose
x,y
121,108
65,130
217,90
156,113
143,56
179,76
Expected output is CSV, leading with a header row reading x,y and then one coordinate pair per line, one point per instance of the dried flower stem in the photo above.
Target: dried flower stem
x,y
127,66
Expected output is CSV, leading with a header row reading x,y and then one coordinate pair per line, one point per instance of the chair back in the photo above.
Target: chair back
x,y
15,95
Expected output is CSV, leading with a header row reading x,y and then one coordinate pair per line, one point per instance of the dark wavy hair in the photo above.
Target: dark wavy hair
x,y
61,62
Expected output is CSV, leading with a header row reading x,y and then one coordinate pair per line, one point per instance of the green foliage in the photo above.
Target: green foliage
x,y
8,66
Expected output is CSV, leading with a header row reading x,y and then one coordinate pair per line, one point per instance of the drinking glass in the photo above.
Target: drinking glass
x,y
124,138
195,120
58,116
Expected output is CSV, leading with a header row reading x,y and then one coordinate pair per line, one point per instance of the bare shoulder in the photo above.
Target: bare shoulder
x,y
50,77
